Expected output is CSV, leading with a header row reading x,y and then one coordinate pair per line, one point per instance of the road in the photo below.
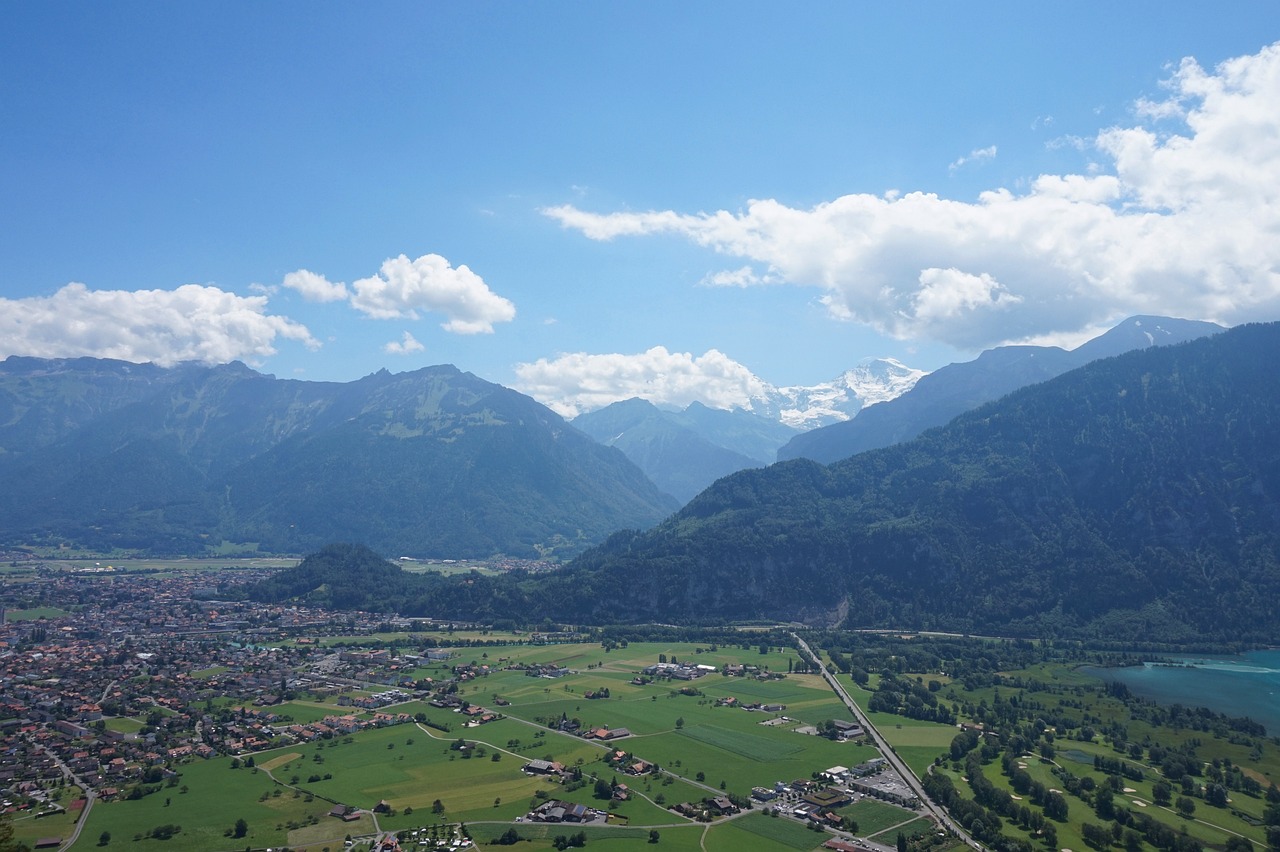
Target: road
x,y
890,755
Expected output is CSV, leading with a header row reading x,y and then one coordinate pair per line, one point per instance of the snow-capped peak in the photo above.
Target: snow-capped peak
x,y
808,407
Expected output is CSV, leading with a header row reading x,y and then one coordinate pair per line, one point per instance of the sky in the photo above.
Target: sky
x,y
661,199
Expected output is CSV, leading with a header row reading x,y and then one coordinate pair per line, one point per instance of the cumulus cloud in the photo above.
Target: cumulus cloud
x,y
574,383
404,287
977,155
406,345
1178,216
190,323
315,288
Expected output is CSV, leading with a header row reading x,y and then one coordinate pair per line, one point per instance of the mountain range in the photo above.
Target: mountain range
x,y
685,451
436,462
1134,499
956,388
878,403
1136,496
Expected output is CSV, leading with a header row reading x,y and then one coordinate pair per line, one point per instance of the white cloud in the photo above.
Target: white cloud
x,y
578,382
977,155
407,345
1178,222
742,277
189,323
403,287
949,297
315,288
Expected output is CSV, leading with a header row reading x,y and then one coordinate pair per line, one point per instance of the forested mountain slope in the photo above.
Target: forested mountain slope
x,y
435,462
1137,496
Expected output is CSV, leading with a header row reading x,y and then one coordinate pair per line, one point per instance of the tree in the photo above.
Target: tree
x,y
653,835
902,842
437,807
1216,795
104,838
1104,802
1186,806
241,829
1055,806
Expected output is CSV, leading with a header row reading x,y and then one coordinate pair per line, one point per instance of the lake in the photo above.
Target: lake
x,y
1244,685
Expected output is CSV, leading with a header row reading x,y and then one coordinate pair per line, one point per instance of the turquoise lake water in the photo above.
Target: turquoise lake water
x,y
1245,685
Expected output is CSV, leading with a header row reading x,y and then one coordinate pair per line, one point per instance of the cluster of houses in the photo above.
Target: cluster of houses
x,y
554,810
767,707
122,689
677,671
711,807
552,670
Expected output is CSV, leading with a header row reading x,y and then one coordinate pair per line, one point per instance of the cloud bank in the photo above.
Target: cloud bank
x,y
574,383
1179,216
189,323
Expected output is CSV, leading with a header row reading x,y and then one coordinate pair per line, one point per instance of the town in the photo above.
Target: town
x,y
115,686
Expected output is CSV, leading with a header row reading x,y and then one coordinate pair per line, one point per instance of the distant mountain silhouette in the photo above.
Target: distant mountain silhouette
x,y
685,451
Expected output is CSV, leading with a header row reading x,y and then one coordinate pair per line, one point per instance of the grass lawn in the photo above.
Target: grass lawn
x,y
919,825
751,746
124,724
27,828
218,797
306,712
34,613
874,817
757,831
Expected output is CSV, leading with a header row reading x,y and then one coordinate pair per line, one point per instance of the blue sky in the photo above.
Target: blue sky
x,y
664,199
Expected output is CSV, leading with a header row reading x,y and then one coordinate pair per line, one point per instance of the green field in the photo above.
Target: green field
x,y
217,796
34,614
411,767
915,826
759,832
124,724
874,817
746,745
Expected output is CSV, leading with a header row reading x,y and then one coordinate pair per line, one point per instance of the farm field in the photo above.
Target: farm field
x,y
421,777
684,733
216,797
759,832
